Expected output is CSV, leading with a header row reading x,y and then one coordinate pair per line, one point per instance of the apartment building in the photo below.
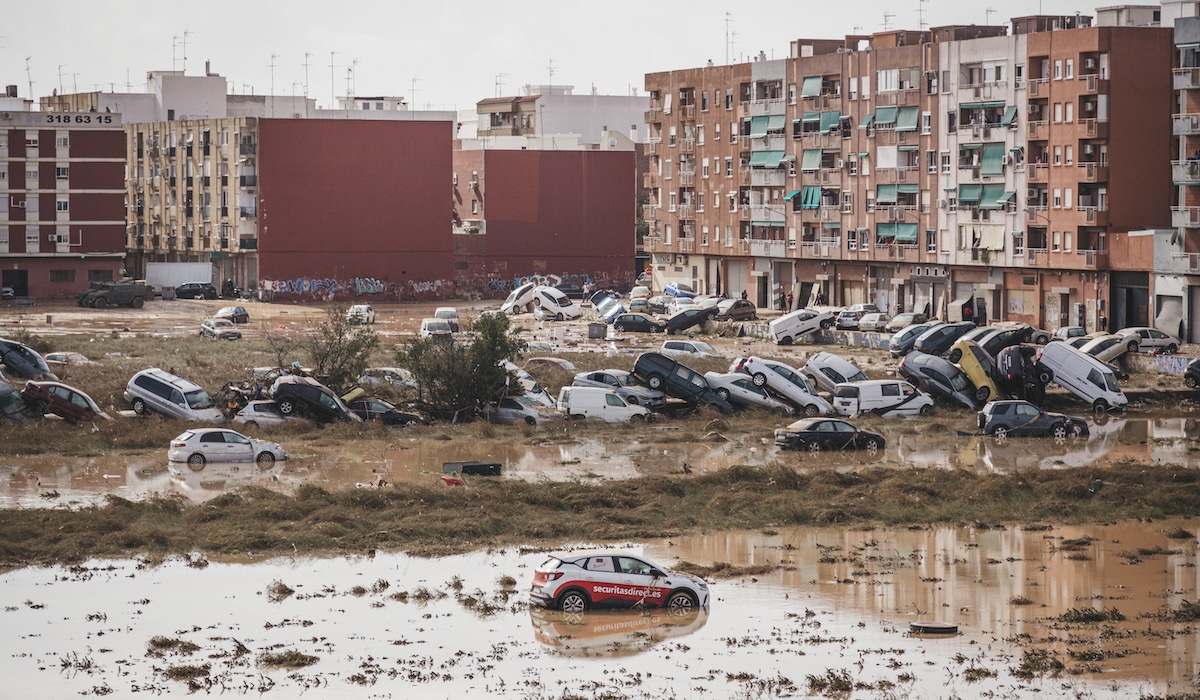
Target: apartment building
x,y
62,199
937,170
1177,250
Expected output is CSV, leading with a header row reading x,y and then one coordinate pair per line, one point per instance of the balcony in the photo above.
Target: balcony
x,y
771,177
652,114
224,244
653,145
1033,255
653,244
248,181
774,142
1185,172
650,181
686,212
1038,86
1094,215
687,178
1093,84
830,176
1187,78
1038,172
1185,217
247,149
1034,214
687,145
768,249
687,112
763,108
650,212
1093,172
1039,130
687,245
1095,128
248,243
247,212
1185,263
772,213
822,248
1185,124
1092,259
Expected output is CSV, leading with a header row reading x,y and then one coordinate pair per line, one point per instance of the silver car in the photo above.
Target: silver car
x,y
740,389
829,370
784,381
203,445
625,384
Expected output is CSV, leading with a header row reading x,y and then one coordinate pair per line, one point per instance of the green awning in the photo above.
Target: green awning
x,y
758,127
992,163
831,224
885,116
812,117
990,197
885,230
1008,194
811,198
810,160
829,120
811,86
863,154
906,120
885,194
866,121
1010,116
982,105
771,224
906,232
766,159
791,195
775,122
969,193
906,148
970,146
908,188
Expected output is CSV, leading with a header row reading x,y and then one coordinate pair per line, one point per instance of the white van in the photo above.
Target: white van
x,y
551,304
1082,375
787,328
881,397
594,402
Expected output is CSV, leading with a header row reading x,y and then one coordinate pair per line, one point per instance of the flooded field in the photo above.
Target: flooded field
x,y
54,481
1098,612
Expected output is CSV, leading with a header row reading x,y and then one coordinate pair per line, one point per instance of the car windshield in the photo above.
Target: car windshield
x,y
699,346
511,297
30,356
724,305
1111,382
446,313
11,402
198,399
437,326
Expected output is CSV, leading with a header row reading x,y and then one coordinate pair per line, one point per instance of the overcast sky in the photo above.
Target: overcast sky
x,y
446,55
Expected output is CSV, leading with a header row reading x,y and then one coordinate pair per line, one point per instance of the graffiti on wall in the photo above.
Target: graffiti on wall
x,y
477,286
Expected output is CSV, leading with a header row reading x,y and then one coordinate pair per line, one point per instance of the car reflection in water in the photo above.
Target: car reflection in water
x,y
612,632
202,482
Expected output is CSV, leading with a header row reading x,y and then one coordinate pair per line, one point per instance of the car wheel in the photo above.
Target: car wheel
x,y
982,393
1059,432
530,420
1100,407
574,601
926,409
196,462
1045,376
759,379
1133,346
723,393
619,328
681,602
558,317
265,460
812,410
138,302
785,341
655,381
638,418
139,407
813,446
1190,382
871,445
287,407
955,355
1000,432
1171,349
253,425
101,303
826,325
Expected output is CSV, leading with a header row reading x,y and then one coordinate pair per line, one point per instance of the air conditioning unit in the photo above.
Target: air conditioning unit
x,y
1007,160
20,204
1033,109
841,163
1089,63
941,204
1089,148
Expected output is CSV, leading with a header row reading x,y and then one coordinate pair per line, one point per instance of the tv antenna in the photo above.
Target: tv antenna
x,y
921,25
728,41
550,69
887,19
60,85
29,74
413,93
332,98
307,55
987,15
500,83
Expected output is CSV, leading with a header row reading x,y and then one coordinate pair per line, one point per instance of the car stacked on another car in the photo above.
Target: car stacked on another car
x,y
626,386
902,342
689,318
817,434
789,327
827,370
578,581
1023,419
260,412
305,395
1142,339
938,376
449,314
940,338
739,389
687,348
664,373
979,368
785,382
848,320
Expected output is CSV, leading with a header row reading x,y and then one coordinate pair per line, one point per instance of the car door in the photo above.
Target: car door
x,y
1028,420
638,585
750,392
238,448
841,434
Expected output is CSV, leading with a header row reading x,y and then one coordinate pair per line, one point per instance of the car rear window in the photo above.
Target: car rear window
x,y
846,392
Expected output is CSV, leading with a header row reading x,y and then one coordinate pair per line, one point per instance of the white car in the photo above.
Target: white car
x,y
449,314
519,299
511,409
576,581
1107,348
1140,340
687,348
740,389
431,327
873,322
394,377
829,370
63,359
259,413
360,313
550,304
784,381
791,326
202,445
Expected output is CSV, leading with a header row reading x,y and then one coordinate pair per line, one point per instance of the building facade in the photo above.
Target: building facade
x,y
922,171
62,199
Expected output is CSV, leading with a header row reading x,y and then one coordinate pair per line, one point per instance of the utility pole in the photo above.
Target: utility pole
x,y
307,56
60,85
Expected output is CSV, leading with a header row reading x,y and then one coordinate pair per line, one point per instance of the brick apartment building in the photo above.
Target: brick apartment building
x,y
62,212
1015,168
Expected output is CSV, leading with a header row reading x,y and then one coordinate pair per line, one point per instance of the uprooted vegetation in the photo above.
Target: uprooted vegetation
x,y
433,519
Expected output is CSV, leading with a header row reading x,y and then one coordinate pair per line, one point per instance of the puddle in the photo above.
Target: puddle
x,y
53,481
836,609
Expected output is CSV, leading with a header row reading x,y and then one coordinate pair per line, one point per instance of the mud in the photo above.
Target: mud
x,y
1099,612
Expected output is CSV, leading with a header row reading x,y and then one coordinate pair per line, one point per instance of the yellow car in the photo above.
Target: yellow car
x,y
978,366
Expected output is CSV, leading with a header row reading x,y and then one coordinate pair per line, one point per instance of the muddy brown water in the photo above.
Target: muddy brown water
x,y
54,481
837,608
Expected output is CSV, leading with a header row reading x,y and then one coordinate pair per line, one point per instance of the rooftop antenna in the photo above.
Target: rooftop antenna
x,y
332,99
500,83
60,87
887,19
352,79
272,64
75,82
186,34
921,25
413,93
29,73
858,29
987,15
728,42
128,81
307,56
550,86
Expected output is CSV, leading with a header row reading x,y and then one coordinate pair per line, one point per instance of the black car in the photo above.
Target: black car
x,y
936,375
597,297
296,394
903,340
12,406
688,318
1023,419
736,310
196,290
638,323
993,343
938,339
23,361
1191,375
817,434
1016,372
384,412
666,374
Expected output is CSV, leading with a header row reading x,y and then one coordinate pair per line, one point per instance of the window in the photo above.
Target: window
x,y
1067,241
700,135
31,179
31,239
1058,66
733,132
474,206
62,205
717,131
1057,199
1070,72
62,172
847,202
733,201
853,89
1056,242
951,122
100,275
61,141
866,87
700,198
930,240
704,168
1058,155
1058,112
704,101
1019,243
31,141
931,161
672,200
952,203
729,100
728,166
62,275
852,239
728,236
852,165
1070,112
1070,153
926,122
1068,202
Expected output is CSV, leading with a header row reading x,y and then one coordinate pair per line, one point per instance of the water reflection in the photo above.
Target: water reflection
x,y
51,480
612,632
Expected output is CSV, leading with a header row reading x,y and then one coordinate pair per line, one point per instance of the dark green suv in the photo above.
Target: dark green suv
x,y
665,374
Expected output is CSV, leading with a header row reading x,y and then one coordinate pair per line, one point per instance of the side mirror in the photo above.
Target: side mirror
x,y
657,573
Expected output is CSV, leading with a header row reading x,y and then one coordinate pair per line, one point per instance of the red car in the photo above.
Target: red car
x,y
577,581
61,400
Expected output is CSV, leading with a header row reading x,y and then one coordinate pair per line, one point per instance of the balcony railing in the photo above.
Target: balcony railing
x,y
1093,172
1038,86
1095,128
687,245
1093,259
1038,172
1032,255
1094,215
768,249
1189,262
247,212
768,177
1039,130
1185,217
248,243
650,212
650,180
1034,214
686,211
687,145
1187,78
1185,171
687,178
248,180
1185,124
821,248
